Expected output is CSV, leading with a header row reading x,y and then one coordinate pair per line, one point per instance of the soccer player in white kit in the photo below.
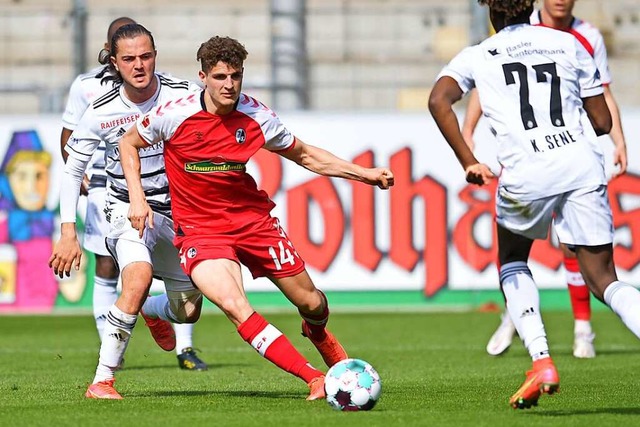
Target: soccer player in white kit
x,y
534,84
557,14
138,89
84,90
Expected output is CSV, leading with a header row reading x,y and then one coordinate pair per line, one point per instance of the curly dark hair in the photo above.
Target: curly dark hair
x,y
225,49
510,8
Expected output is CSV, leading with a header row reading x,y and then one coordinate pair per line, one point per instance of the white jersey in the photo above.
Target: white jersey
x,y
107,119
589,37
531,81
84,90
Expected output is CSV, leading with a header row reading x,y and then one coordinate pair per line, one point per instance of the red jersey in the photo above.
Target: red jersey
x,y
206,156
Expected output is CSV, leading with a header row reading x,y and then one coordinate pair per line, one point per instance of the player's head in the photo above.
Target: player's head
x,y
104,54
222,64
508,12
558,9
133,56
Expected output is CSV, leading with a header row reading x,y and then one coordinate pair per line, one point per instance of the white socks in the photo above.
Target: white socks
x,y
523,305
105,294
117,332
624,300
184,336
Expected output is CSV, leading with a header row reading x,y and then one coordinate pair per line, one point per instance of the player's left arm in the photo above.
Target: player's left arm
x,y
616,133
445,93
325,163
139,210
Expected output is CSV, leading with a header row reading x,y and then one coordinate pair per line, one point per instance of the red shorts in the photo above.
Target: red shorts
x,y
264,249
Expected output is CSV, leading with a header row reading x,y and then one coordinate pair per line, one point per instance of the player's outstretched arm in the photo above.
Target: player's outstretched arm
x,y
139,210
445,93
616,133
325,163
67,253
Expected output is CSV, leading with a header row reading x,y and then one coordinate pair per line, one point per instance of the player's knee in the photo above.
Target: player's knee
x,y
313,303
234,307
188,308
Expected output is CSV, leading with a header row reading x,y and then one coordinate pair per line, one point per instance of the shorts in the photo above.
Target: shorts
x,y
264,249
96,226
580,217
155,247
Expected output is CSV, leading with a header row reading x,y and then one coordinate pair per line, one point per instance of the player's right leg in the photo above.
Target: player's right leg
x,y
122,317
515,238
219,278
133,257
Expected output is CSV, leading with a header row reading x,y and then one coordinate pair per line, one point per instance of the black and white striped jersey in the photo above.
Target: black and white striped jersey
x,y
107,119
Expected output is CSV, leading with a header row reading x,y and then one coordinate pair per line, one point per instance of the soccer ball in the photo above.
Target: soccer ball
x,y
352,385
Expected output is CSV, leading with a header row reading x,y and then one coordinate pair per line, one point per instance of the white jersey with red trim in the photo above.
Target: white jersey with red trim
x,y
592,40
84,90
531,81
206,156
107,119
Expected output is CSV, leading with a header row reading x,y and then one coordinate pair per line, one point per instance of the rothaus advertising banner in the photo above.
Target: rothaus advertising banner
x,y
432,231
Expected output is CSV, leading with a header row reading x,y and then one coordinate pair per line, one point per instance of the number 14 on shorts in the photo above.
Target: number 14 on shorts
x,y
282,255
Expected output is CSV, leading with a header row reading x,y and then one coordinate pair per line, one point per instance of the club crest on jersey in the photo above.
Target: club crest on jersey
x,y
241,136
192,252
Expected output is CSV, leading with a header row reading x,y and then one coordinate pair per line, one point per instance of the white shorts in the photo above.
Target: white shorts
x,y
155,247
580,217
96,226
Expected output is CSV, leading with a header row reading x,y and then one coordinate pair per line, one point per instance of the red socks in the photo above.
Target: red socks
x,y
578,290
275,347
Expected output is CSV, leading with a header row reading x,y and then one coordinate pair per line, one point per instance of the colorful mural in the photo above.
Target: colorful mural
x,y
27,230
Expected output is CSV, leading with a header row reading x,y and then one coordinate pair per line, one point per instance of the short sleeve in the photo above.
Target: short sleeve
x,y
150,127
588,73
77,104
85,139
602,62
461,69
277,136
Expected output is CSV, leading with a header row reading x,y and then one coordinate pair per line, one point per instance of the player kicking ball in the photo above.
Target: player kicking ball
x,y
222,220
534,83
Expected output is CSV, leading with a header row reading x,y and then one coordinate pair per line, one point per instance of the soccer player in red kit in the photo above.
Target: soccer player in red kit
x,y
222,219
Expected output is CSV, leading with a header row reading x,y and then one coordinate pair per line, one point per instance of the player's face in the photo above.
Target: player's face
x,y
559,9
223,85
136,61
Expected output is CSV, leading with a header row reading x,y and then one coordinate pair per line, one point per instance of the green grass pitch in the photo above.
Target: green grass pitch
x,y
433,366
